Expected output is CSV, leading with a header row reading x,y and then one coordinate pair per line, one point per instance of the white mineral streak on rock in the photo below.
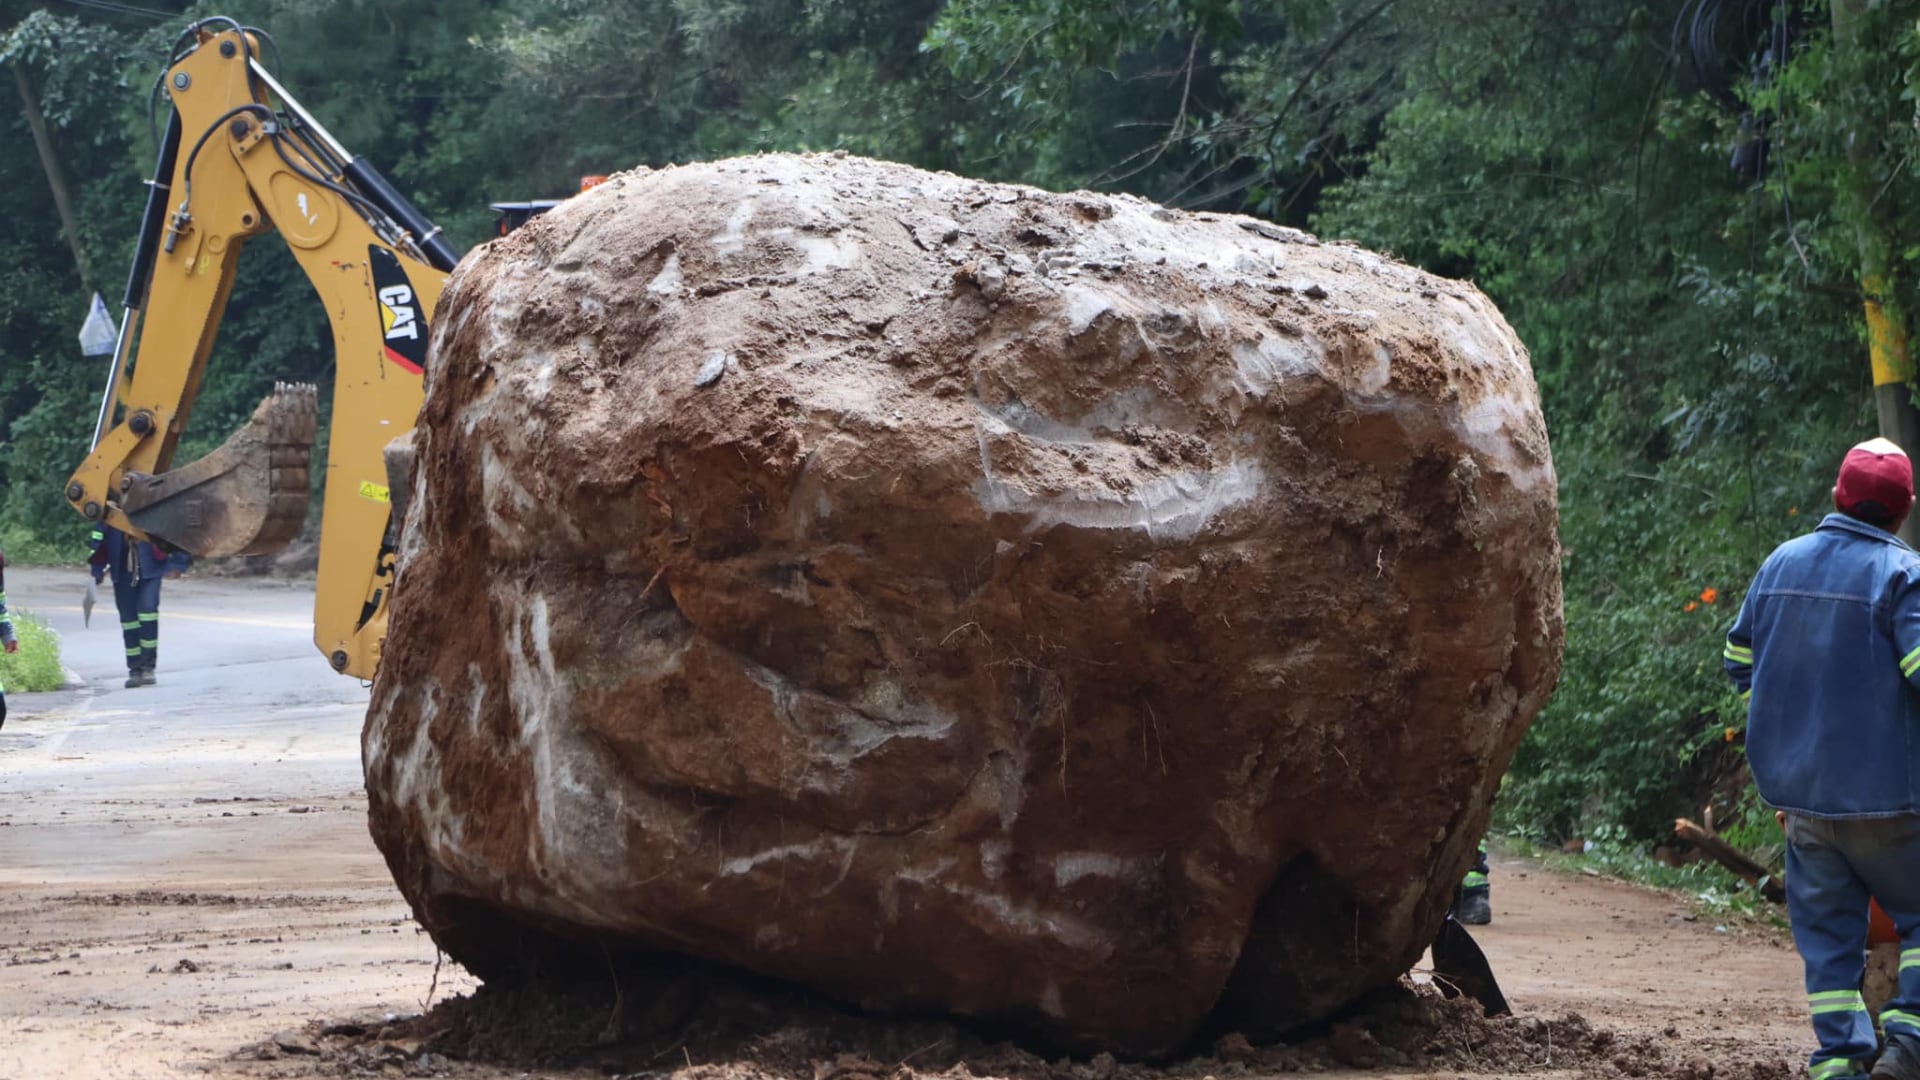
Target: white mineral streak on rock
x,y
579,846
732,238
417,773
1261,366
1504,428
1050,924
668,282
1177,506
505,496
539,381
839,847
476,698
993,858
1374,378
1074,865
1084,307
821,254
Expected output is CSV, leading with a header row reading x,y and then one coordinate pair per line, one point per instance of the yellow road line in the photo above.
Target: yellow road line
x,y
230,620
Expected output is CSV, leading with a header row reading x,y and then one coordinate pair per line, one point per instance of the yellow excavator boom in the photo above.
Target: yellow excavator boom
x,y
241,158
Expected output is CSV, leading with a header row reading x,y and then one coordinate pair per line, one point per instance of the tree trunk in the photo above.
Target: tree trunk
x,y
1887,332
56,179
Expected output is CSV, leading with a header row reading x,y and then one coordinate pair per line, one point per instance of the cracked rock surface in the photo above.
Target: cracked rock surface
x,y
1051,609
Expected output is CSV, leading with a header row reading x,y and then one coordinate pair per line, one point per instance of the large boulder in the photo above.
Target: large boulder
x,y
1052,609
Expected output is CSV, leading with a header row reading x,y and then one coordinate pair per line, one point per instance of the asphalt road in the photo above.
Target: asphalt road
x,y
245,708
185,868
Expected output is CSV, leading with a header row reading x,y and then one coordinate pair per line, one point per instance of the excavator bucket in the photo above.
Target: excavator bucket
x,y
249,497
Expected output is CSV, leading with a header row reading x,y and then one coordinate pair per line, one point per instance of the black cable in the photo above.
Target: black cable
x,y
266,37
334,164
372,214
186,183
317,157
153,110
180,51
194,28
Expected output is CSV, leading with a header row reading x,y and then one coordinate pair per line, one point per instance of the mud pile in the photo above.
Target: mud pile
x,y
1050,609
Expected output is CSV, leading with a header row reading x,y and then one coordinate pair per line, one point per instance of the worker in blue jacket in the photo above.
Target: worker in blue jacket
x,y
137,568
1827,651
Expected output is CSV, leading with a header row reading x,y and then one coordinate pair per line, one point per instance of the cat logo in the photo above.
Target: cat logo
x,y
397,317
402,323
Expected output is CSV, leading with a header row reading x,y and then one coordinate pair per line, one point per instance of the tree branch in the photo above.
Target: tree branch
x,y
50,162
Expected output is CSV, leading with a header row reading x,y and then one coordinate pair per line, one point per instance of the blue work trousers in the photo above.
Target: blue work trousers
x,y
1834,866
139,604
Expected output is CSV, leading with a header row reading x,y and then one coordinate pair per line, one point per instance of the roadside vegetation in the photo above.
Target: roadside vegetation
x,y
1707,889
36,667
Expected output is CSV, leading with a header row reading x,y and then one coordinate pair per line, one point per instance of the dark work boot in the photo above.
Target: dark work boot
x,y
1900,1060
1475,906
133,678
146,677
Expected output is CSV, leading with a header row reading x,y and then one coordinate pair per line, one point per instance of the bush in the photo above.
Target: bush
x,y
26,547
36,666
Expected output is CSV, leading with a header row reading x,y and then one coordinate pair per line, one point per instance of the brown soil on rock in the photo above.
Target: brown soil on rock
x,y
749,1032
732,1033
958,598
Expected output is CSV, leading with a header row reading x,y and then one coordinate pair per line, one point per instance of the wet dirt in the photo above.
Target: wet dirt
x,y
293,978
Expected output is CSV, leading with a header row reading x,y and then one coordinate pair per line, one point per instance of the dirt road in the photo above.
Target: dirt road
x,y
185,871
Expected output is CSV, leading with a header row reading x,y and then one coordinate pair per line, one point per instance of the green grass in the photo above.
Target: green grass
x,y
37,665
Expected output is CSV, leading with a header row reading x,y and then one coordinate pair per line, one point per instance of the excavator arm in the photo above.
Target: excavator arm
x,y
241,158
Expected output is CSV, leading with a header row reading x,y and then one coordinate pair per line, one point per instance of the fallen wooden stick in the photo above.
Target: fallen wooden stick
x,y
1726,855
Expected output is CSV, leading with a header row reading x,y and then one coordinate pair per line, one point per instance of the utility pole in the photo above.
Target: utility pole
x,y
1888,340
50,164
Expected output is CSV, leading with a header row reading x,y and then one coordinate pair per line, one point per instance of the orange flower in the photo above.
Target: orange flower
x,y
1709,595
1691,606
1729,734
1793,511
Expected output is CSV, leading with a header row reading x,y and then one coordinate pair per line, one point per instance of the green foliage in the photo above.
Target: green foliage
x,y
26,548
77,70
36,667
1696,385
1700,380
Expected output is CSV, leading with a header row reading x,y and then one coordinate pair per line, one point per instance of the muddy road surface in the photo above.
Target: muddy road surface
x,y
186,884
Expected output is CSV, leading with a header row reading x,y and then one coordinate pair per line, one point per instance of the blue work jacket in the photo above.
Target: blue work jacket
x,y
129,560
1828,644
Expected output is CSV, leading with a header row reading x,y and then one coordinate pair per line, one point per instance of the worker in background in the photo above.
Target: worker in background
x,y
137,567
7,641
1474,904
1827,652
